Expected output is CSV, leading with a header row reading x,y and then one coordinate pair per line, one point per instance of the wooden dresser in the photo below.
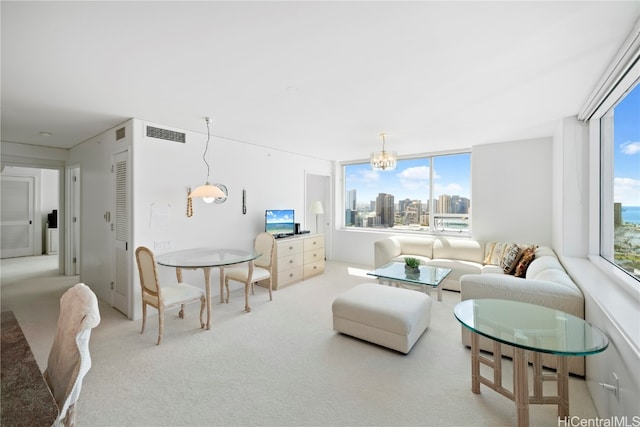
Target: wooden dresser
x,y
298,258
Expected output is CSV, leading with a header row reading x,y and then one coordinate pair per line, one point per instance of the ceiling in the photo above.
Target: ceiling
x,y
322,79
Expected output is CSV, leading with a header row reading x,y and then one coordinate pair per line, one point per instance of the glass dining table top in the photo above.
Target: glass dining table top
x,y
531,327
206,257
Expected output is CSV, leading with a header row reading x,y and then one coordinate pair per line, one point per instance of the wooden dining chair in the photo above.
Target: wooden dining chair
x,y
166,295
261,269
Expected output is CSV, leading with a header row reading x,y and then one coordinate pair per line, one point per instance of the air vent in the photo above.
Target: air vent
x,y
167,135
120,134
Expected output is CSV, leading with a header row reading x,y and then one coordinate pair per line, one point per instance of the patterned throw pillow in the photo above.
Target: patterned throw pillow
x,y
494,252
510,258
527,256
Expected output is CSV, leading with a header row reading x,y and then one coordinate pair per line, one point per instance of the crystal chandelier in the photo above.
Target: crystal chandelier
x,y
383,160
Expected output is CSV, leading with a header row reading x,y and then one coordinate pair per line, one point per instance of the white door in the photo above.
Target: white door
x,y
120,229
16,216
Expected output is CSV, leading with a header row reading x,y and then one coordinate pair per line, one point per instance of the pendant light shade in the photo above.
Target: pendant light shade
x,y
383,160
207,192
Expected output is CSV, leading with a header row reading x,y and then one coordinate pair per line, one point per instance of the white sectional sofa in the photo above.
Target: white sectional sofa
x,y
545,281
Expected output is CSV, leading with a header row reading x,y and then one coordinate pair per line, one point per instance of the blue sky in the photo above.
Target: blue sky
x,y
410,179
626,136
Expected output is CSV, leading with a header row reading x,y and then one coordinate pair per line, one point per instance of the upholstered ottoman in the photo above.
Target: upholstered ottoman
x,y
384,315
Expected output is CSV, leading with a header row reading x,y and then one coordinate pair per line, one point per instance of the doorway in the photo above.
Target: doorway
x,y
31,204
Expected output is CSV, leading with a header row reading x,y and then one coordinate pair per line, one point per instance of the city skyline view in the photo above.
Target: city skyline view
x,y
410,179
626,136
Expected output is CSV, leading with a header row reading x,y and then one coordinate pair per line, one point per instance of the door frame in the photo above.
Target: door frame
x,y
317,186
59,165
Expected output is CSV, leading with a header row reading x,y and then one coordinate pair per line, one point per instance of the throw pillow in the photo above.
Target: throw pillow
x,y
494,252
510,258
527,256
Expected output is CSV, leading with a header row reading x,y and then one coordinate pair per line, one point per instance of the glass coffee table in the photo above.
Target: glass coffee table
x,y
427,279
532,328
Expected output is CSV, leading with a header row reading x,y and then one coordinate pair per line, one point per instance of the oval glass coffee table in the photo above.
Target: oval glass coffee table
x,y
533,328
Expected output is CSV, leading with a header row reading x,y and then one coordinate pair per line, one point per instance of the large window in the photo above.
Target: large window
x,y
430,194
620,183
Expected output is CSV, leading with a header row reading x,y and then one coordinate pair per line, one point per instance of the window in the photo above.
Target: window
x,y
428,194
620,183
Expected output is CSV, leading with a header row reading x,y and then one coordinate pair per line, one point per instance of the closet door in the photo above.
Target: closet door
x,y
121,286
16,216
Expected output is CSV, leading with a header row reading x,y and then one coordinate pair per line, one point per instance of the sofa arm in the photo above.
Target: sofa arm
x,y
548,294
384,250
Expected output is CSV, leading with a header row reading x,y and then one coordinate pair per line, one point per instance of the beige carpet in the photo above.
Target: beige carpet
x,y
280,365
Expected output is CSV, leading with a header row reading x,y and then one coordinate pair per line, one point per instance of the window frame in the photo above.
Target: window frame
x,y
599,171
432,215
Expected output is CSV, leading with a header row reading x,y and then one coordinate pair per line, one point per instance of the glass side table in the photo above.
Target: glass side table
x,y
532,328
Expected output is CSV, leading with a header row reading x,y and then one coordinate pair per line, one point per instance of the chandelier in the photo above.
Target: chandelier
x,y
383,160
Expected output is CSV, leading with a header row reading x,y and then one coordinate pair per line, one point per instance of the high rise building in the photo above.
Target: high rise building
x,y
385,209
351,200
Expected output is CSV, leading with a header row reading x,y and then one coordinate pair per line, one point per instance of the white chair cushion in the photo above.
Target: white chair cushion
x,y
240,274
180,292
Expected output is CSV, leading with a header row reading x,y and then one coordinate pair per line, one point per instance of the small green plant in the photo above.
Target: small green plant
x,y
412,262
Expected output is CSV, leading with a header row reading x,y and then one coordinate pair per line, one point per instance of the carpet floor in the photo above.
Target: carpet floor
x,y
280,365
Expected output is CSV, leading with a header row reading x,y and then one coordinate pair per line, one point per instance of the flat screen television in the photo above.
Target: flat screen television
x,y
279,222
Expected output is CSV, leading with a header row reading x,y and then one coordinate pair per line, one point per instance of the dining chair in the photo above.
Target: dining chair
x,y
164,296
260,270
69,358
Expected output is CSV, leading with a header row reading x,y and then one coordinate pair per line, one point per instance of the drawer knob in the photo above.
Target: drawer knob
x,y
290,248
290,261
290,274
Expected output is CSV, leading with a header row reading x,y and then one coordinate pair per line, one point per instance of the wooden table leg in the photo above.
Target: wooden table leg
x,y
207,290
521,386
221,269
562,374
475,363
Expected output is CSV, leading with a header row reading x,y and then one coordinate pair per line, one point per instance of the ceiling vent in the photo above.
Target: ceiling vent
x,y
167,135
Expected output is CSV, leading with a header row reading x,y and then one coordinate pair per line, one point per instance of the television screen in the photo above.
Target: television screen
x,y
279,222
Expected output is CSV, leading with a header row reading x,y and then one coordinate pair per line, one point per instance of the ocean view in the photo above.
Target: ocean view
x,y
631,214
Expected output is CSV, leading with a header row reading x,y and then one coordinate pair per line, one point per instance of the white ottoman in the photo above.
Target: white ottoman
x,y
384,315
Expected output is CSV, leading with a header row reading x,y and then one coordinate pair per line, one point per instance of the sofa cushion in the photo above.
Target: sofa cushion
x,y
413,245
491,269
494,251
541,264
458,267
510,258
528,255
460,249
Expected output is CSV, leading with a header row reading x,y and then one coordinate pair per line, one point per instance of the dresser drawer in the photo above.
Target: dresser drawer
x,y
314,255
291,261
291,275
314,242
289,248
313,268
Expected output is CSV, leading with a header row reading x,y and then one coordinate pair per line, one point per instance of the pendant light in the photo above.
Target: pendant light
x,y
207,192
383,160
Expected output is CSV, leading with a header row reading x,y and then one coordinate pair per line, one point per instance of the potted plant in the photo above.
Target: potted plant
x,y
411,266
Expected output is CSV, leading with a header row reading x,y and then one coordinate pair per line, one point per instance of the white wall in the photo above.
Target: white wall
x,y
511,191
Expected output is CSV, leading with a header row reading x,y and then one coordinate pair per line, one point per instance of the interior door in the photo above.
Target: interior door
x,y
16,216
120,231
